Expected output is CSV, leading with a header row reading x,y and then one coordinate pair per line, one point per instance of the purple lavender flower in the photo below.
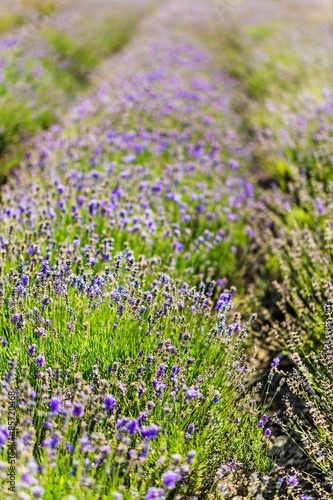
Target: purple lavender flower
x,y
320,206
109,402
32,349
224,300
46,266
15,319
150,432
78,410
275,363
4,435
37,491
155,494
117,496
170,478
40,361
233,164
190,456
292,481
133,426
55,405
127,425
25,280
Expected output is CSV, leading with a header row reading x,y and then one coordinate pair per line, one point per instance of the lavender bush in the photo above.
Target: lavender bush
x,y
121,399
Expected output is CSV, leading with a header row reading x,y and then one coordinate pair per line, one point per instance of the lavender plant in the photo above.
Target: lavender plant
x,y
301,230
124,383
311,382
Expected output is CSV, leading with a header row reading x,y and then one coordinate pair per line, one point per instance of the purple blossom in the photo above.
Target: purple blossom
x,y
130,426
150,432
190,456
40,361
320,206
32,349
55,405
223,301
25,280
133,426
37,491
77,410
233,164
275,363
155,494
109,402
170,478
191,428
4,435
292,481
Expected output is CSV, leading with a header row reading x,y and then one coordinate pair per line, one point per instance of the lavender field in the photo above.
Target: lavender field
x,y
166,249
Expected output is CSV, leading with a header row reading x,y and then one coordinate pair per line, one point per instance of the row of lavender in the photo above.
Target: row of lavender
x,y
118,234
47,60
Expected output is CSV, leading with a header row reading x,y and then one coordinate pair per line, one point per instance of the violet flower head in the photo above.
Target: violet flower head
x,y
25,280
223,301
170,478
55,405
40,361
155,494
292,481
320,206
37,491
233,164
78,410
150,432
32,349
4,436
109,402
275,363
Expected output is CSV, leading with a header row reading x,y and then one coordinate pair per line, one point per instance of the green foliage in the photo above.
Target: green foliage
x,y
312,383
10,21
